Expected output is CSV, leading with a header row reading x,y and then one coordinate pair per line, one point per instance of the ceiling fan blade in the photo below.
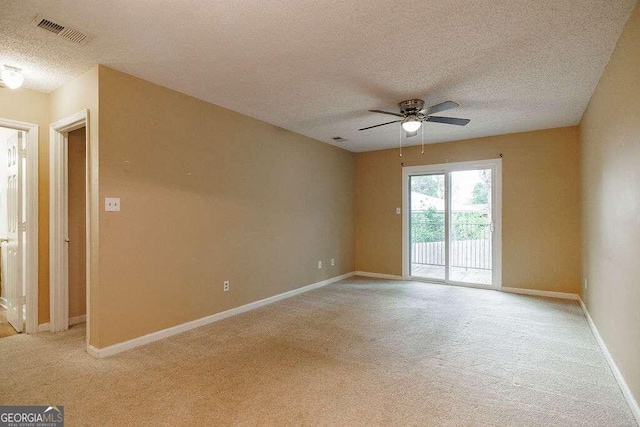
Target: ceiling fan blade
x,y
386,112
448,120
443,106
410,134
382,124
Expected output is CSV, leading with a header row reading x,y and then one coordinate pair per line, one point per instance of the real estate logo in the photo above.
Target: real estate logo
x,y
31,416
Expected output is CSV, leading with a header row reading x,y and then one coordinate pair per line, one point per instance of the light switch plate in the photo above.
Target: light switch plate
x,y
398,211
112,204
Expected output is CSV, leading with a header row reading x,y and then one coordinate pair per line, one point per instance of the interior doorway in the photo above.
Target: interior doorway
x,y
77,224
18,228
70,223
452,223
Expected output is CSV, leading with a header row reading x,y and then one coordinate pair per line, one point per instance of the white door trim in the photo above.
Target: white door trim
x,y
58,216
31,214
496,188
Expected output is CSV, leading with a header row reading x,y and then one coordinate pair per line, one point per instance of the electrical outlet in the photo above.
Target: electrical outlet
x,y
586,284
111,204
225,285
319,265
333,261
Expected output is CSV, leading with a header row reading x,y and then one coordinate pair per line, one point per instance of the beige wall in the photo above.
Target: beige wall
x,y
610,153
208,195
260,206
77,156
541,205
32,107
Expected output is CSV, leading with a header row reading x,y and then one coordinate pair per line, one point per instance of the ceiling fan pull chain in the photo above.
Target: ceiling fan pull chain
x,y
400,141
422,133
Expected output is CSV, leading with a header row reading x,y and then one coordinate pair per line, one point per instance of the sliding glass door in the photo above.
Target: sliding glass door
x,y
427,226
452,223
470,238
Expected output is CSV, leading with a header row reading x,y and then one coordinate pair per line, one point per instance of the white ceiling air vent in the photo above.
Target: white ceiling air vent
x,y
61,30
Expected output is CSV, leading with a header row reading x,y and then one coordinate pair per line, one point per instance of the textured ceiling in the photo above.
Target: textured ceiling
x,y
317,66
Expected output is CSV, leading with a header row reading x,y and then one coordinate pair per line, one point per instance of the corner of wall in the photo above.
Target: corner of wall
x,y
610,179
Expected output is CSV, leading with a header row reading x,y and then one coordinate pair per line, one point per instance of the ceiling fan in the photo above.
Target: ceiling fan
x,y
413,114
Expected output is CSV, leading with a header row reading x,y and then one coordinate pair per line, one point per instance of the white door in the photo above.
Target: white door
x,y
13,248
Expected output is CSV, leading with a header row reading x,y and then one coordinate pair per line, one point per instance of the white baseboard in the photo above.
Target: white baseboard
x,y
378,275
538,293
165,333
535,292
633,404
44,327
77,319
95,352
522,291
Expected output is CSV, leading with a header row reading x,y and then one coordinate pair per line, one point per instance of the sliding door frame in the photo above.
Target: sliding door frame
x,y
496,197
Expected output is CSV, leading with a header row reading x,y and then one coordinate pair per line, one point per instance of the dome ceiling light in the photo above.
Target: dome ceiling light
x,y
12,77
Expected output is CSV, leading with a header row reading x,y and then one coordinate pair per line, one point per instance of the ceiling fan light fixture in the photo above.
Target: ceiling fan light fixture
x,y
411,124
12,77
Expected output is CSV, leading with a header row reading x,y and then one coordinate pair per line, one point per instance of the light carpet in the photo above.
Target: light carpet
x,y
358,352
6,330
